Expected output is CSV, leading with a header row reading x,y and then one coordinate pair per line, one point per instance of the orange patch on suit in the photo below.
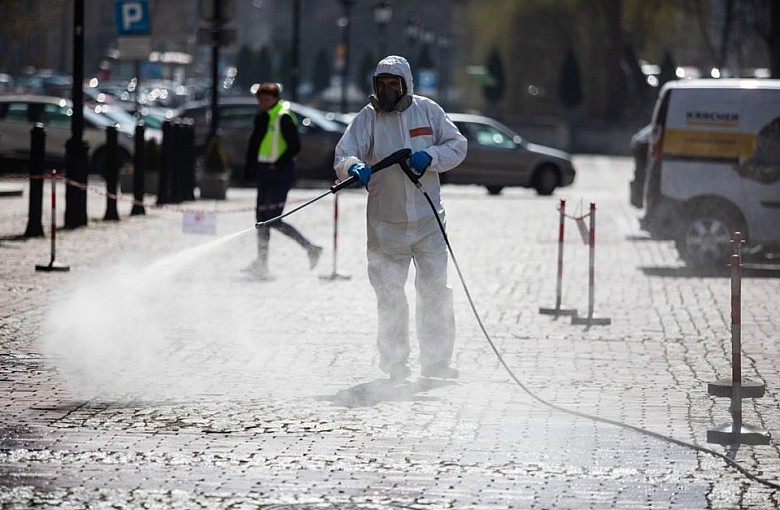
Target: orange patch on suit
x,y
421,131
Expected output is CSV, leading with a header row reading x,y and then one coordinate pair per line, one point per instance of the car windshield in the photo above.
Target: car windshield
x,y
116,115
316,116
489,135
97,119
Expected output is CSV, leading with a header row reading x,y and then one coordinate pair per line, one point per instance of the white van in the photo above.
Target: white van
x,y
714,168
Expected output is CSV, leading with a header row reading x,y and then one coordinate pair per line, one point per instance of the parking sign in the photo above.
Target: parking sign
x,y
132,17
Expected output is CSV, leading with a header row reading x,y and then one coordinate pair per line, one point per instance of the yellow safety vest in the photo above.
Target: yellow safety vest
x,y
273,144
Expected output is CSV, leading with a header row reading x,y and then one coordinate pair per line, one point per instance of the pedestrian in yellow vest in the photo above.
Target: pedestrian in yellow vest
x,y
273,145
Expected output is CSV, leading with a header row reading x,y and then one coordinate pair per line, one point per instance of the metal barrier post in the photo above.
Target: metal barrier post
x,y
111,170
177,161
590,320
559,282
37,157
139,170
164,183
188,153
53,265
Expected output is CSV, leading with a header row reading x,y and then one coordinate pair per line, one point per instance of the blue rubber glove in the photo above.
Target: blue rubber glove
x,y
362,171
419,162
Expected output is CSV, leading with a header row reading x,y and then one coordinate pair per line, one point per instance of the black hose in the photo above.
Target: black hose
x,y
634,428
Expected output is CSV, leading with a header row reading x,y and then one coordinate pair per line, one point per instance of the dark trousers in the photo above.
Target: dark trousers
x,y
272,188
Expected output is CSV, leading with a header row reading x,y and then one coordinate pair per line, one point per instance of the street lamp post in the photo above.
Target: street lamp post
x,y
445,43
76,148
296,44
383,13
344,24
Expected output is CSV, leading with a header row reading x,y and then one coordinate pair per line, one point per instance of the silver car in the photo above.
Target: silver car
x,y
20,113
498,158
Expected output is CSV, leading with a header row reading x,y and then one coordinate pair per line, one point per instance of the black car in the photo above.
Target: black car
x,y
319,135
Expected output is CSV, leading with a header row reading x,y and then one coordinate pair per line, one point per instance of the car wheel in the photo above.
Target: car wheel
x,y
494,190
704,239
546,180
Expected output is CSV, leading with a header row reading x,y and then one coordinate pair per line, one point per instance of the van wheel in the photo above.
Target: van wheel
x,y
546,180
494,190
704,239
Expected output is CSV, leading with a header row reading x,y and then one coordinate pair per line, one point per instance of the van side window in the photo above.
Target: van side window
x,y
768,143
764,165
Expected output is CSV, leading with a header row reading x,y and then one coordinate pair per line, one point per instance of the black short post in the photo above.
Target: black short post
x,y
139,171
166,154
37,157
111,173
177,158
188,157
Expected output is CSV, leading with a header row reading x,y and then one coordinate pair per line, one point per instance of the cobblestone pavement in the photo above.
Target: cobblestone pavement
x,y
156,374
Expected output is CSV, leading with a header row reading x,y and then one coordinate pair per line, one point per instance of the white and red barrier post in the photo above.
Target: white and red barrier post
x,y
591,320
335,275
53,265
736,388
559,281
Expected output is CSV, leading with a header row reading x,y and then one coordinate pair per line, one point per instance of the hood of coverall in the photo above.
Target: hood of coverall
x,y
397,66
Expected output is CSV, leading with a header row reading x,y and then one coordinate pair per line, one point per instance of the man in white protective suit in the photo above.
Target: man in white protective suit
x,y
401,224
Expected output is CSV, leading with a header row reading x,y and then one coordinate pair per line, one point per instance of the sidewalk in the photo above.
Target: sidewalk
x,y
156,373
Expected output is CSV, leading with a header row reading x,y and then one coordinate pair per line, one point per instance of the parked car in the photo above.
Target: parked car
x,y
319,135
498,158
715,168
20,113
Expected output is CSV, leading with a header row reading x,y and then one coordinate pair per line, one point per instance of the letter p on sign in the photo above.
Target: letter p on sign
x,y
132,17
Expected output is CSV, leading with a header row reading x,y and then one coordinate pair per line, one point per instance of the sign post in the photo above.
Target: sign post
x,y
133,25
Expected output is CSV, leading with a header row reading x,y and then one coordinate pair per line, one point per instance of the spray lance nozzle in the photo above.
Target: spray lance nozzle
x,y
410,173
398,157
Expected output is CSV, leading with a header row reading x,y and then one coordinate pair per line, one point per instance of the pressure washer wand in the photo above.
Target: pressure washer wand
x,y
398,157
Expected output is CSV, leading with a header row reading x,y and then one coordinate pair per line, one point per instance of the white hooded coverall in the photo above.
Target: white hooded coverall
x,y
401,225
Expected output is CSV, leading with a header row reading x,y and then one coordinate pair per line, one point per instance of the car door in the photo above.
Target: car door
x,y
15,125
315,161
494,157
57,119
235,127
19,117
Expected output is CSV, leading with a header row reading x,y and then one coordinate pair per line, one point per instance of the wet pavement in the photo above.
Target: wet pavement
x,y
157,374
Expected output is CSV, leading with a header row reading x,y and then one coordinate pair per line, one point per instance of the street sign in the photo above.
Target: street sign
x,y
132,17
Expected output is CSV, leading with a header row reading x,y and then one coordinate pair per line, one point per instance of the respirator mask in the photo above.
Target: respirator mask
x,y
389,91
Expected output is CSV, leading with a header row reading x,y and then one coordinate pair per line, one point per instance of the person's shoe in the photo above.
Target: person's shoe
x,y
258,270
314,253
439,371
398,371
